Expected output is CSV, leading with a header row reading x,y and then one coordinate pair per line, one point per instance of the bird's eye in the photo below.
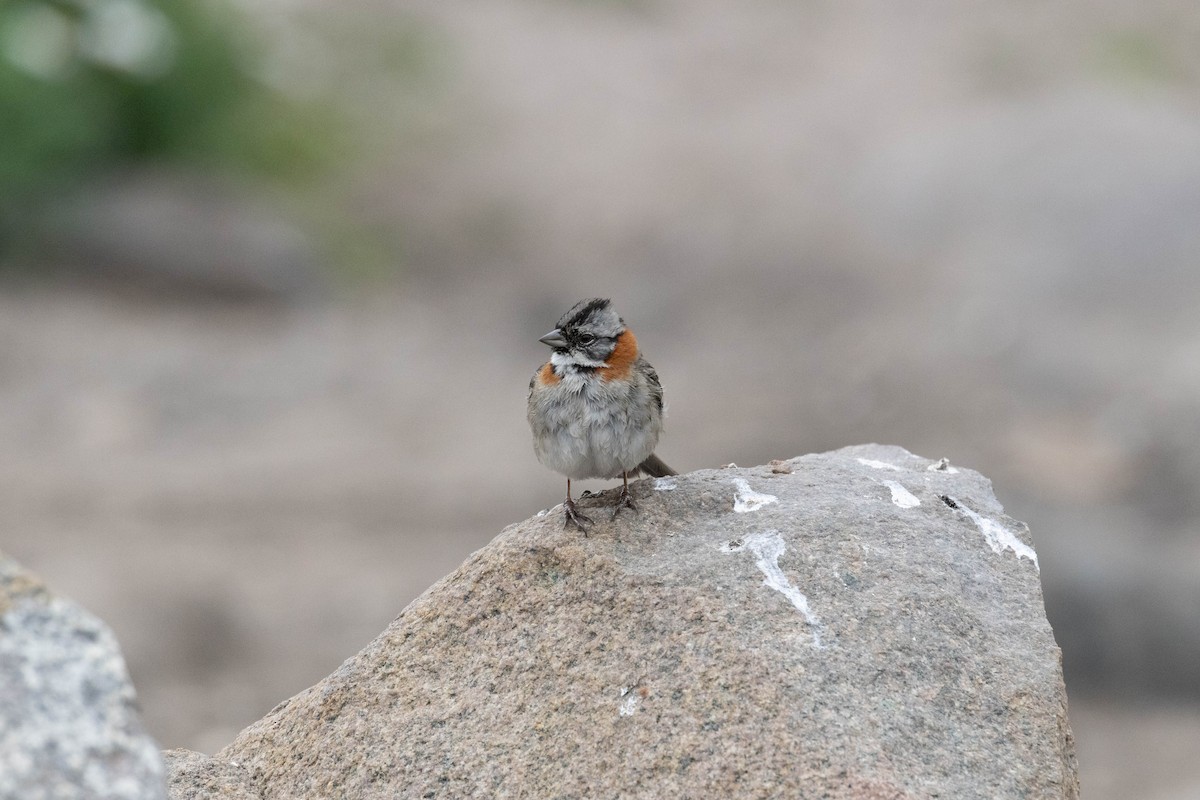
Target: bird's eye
x,y
586,339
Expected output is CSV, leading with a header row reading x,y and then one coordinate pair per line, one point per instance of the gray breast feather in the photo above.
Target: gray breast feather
x,y
585,427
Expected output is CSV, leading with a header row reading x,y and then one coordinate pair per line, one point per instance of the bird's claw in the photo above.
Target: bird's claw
x,y
625,500
574,517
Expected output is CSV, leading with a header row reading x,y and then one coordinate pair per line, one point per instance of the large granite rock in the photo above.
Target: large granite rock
x,y
858,624
69,725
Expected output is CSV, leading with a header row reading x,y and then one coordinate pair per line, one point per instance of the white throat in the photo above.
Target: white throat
x,y
565,361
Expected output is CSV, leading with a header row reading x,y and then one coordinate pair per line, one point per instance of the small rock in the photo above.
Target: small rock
x,y
69,725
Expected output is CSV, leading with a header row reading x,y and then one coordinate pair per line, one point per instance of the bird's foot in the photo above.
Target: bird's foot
x,y
624,500
574,517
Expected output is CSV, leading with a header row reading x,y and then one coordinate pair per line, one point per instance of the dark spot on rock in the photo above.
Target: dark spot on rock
x,y
948,500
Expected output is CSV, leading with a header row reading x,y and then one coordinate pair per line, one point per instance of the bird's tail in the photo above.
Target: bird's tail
x,y
655,467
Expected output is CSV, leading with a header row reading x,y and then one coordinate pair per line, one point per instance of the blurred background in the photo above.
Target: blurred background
x,y
273,274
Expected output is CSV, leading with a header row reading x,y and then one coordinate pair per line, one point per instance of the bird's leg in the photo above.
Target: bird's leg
x,y
573,516
625,500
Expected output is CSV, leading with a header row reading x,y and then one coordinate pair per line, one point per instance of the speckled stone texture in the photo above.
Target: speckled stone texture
x,y
69,726
856,624
194,776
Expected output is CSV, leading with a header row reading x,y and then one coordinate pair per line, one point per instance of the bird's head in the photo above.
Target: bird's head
x,y
585,336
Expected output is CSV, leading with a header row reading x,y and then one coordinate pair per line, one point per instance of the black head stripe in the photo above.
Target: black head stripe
x,y
581,311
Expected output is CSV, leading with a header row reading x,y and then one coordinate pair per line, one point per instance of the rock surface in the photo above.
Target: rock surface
x,y
194,777
856,624
69,725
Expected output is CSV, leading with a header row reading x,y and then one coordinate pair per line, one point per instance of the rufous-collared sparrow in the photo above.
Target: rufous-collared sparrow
x,y
596,407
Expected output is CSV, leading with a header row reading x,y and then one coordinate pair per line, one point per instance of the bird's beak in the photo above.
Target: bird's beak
x,y
554,339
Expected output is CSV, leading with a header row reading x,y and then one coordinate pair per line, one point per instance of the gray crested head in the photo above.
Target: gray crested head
x,y
586,335
592,316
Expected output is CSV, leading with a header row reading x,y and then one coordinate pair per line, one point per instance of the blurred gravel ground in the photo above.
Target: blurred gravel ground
x,y
1137,750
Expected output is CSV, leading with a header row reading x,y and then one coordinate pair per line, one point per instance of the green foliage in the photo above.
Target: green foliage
x,y
1137,57
89,85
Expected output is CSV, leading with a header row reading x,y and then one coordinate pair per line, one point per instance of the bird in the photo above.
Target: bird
x,y
596,407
